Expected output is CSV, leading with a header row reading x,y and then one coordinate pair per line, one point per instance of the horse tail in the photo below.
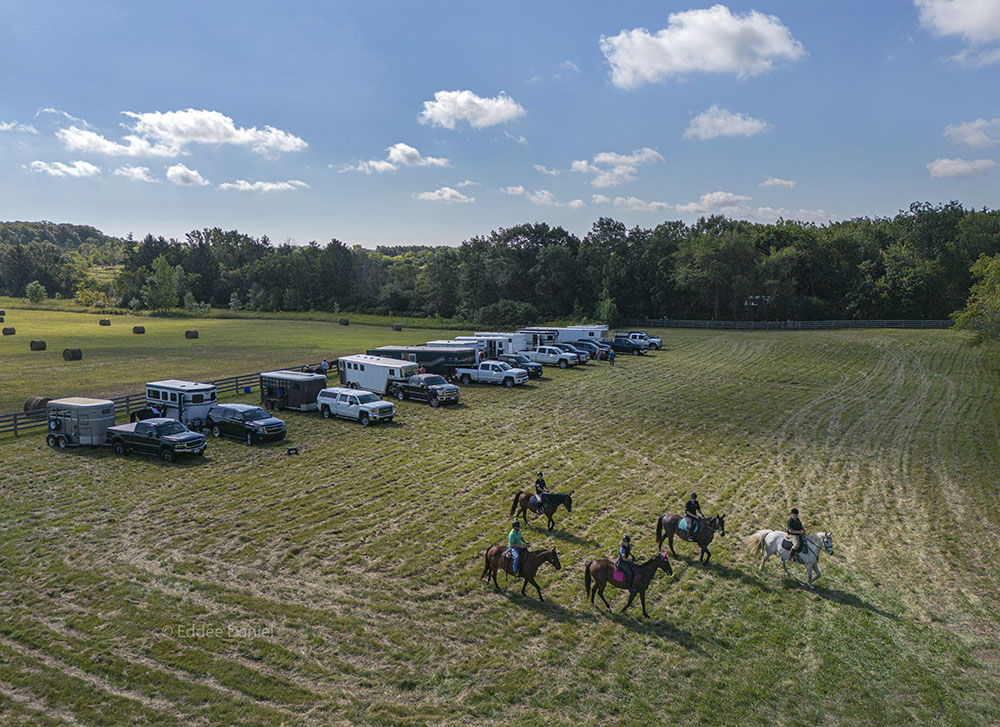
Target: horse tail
x,y
586,577
659,531
755,542
513,507
486,558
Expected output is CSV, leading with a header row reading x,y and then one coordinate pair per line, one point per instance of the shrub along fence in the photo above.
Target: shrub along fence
x,y
20,421
787,325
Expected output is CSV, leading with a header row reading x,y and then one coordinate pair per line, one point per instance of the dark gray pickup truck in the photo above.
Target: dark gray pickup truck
x,y
166,438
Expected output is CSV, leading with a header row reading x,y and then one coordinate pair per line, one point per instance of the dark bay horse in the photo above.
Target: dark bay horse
x,y
602,570
666,528
530,562
523,500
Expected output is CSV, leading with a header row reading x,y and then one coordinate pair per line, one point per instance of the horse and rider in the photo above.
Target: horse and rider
x,y
635,577
692,526
516,560
543,502
792,544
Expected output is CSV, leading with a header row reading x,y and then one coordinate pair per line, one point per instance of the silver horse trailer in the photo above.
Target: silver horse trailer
x,y
77,421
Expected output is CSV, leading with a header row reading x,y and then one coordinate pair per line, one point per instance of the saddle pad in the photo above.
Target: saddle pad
x,y
683,525
786,544
618,575
535,501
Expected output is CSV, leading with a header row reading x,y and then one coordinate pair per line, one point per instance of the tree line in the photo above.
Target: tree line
x,y
917,264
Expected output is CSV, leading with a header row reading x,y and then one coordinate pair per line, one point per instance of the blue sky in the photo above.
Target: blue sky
x,y
429,123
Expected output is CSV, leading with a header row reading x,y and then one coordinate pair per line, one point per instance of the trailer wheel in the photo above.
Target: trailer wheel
x,y
167,455
563,364
216,432
326,412
466,379
508,382
53,424
400,394
118,447
51,441
434,402
365,421
269,405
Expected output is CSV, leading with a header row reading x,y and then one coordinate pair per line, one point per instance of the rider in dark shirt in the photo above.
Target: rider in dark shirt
x,y
795,531
626,562
542,491
692,510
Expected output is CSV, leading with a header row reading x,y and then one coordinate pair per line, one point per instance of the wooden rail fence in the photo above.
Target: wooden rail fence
x,y
788,325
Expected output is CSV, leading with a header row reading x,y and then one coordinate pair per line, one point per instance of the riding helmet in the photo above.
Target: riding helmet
x,y
626,539
795,511
539,474
694,495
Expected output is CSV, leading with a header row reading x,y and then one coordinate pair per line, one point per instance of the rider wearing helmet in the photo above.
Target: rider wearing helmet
x,y
691,511
516,543
542,491
626,562
795,532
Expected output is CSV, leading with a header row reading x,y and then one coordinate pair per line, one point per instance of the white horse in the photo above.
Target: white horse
x,y
770,542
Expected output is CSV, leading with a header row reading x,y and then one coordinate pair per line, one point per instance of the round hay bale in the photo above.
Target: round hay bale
x,y
344,322
1,319
72,354
37,345
36,402
397,326
8,331
3,312
104,322
138,329
190,334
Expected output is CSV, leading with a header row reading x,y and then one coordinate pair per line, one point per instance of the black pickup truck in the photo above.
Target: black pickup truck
x,y
426,387
167,438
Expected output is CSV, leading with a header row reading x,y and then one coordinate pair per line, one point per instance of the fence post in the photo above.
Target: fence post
x,y
15,424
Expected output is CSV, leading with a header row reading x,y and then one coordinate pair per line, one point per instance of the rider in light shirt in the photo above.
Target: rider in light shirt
x,y
516,543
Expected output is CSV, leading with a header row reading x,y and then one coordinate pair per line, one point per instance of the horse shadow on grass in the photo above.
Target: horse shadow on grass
x,y
724,571
549,609
667,631
849,599
571,538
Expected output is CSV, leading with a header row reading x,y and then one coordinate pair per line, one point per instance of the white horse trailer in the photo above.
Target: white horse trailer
x,y
186,401
512,342
569,334
373,373
77,421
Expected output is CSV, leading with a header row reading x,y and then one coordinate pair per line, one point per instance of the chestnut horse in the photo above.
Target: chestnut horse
x,y
523,500
602,571
666,528
530,563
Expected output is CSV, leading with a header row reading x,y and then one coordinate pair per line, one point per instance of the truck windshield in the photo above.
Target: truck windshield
x,y
368,398
170,428
255,415
504,366
435,381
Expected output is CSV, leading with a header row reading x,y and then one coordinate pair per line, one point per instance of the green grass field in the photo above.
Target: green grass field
x,y
341,586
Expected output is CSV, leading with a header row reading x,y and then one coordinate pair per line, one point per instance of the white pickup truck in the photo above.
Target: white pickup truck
x,y
361,406
492,372
552,356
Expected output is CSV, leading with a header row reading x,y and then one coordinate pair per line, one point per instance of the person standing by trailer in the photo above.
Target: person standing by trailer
x,y
611,357
325,365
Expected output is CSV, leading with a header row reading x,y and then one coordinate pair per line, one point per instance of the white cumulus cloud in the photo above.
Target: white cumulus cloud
x,y
716,122
778,182
599,199
542,169
242,185
977,21
77,169
135,174
726,203
979,133
513,191
444,194
638,205
959,167
576,204
611,169
711,40
15,126
181,175
64,114
168,134
449,107
542,198
399,154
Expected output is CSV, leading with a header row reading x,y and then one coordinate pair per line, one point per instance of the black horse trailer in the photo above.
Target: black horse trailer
x,y
290,389
435,360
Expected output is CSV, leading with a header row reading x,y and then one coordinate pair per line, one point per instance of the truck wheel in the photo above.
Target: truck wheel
x,y
326,412
216,432
400,395
434,402
466,379
653,347
249,439
365,421
508,382
51,440
167,455
61,442
635,352
118,447
563,364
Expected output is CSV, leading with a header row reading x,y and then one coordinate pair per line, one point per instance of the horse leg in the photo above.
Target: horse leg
x,y
642,599
766,556
707,553
784,564
495,583
670,539
601,594
631,597
536,588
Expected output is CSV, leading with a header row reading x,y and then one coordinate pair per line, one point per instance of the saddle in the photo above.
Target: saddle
x,y
683,525
619,576
535,503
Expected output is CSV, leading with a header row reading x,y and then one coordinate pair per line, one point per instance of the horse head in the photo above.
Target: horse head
x,y
569,502
718,523
555,560
828,542
664,562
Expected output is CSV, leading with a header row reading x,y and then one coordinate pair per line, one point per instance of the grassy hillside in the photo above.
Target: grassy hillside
x,y
341,586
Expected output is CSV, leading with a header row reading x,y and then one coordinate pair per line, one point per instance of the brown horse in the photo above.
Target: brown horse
x,y
530,563
602,571
666,528
523,500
